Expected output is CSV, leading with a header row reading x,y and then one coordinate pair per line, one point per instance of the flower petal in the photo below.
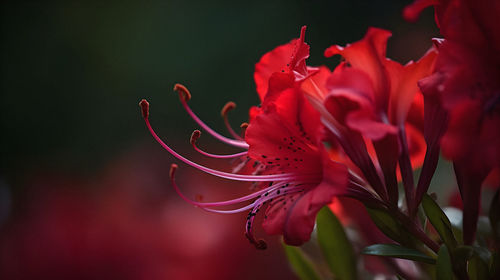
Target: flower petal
x,y
285,134
301,217
368,55
404,84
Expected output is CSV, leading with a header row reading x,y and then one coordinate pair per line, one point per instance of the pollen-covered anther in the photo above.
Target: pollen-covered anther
x,y
228,107
144,104
225,110
173,168
194,137
243,127
259,244
183,92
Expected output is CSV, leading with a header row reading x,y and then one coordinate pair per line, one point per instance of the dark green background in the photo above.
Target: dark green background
x,y
73,72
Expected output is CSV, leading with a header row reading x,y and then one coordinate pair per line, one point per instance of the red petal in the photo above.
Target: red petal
x,y
368,55
404,84
315,85
273,61
416,145
287,58
364,121
277,212
300,220
412,11
352,89
285,134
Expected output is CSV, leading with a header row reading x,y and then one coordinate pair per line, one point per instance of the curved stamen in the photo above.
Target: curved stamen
x,y
228,107
184,96
239,210
259,244
194,137
237,177
174,167
244,127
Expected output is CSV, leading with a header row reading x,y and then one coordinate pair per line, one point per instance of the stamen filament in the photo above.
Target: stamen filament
x,y
228,107
183,94
237,177
194,137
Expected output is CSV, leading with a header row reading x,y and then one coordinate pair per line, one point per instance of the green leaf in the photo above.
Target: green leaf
x,y
472,261
301,264
444,269
336,248
477,269
455,216
440,222
386,223
396,251
495,266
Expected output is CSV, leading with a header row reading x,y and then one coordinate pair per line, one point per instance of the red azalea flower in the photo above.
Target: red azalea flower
x,y
283,147
284,137
299,185
370,96
466,86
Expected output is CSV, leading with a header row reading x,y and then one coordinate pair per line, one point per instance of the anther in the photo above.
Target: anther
x,y
243,127
144,104
228,107
194,136
173,168
183,92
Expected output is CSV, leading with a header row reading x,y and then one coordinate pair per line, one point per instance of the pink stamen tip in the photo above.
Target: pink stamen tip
x,y
144,104
183,92
228,107
194,137
173,168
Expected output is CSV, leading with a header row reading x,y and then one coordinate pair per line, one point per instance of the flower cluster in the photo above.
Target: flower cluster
x,y
363,128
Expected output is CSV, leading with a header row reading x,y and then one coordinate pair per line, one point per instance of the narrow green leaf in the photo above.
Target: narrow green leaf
x,y
495,266
455,216
386,223
396,251
336,248
444,268
472,261
440,222
463,252
300,263
477,269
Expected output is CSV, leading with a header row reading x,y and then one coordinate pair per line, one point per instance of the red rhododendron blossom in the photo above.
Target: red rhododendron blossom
x,y
370,96
300,180
296,175
466,86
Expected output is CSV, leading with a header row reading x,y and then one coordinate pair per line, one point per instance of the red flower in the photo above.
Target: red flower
x,y
369,96
284,138
466,86
290,164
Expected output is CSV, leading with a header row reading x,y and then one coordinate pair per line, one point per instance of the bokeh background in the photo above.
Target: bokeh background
x,y
84,189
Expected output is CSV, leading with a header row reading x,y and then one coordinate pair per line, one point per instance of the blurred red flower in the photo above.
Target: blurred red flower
x,y
466,85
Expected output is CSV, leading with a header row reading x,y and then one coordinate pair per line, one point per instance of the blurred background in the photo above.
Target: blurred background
x,y
84,189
